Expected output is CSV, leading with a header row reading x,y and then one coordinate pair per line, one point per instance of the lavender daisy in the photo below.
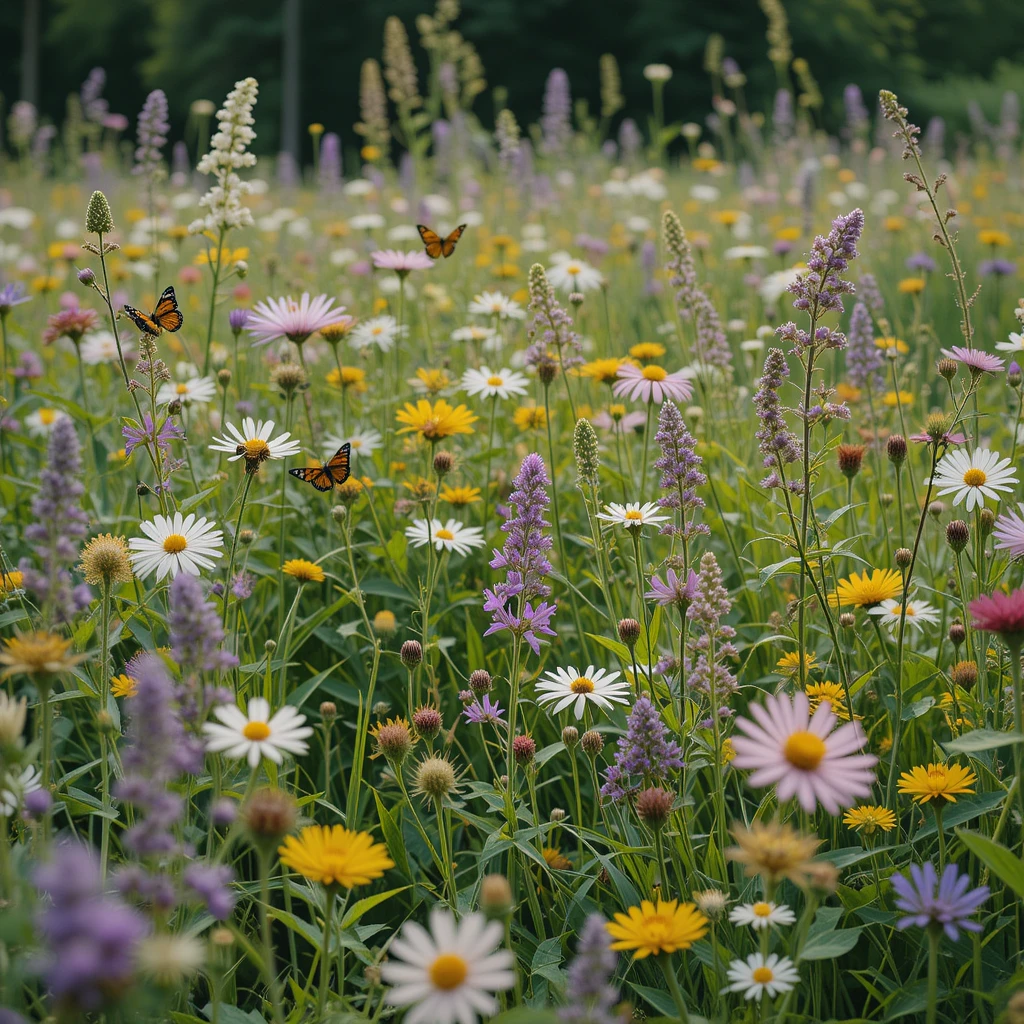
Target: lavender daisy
x,y
932,902
296,321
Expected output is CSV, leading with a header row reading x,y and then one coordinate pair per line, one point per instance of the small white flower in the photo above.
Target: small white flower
x,y
569,687
1015,344
168,960
572,275
254,442
14,789
761,915
190,389
745,252
359,187
381,331
175,544
254,734
632,515
496,304
364,443
449,536
449,974
100,347
974,477
366,221
42,421
473,333
758,975
918,613
657,72
502,383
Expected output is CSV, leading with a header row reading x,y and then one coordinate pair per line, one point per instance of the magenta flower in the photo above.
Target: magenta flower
x,y
974,359
652,384
676,589
296,321
1000,613
401,262
802,756
1009,532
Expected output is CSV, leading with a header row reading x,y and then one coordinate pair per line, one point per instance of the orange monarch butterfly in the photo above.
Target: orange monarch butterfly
x,y
334,471
166,316
438,246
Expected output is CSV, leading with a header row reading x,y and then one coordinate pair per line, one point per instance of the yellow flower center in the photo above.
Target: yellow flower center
x,y
635,515
376,330
256,450
654,373
444,534
256,731
182,389
762,975
448,971
657,928
573,268
47,416
495,381
804,750
581,684
762,909
975,477
174,543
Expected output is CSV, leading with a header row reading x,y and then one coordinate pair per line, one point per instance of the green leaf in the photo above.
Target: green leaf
x,y
190,503
770,570
963,810
232,1014
830,944
1006,866
661,1001
981,739
357,910
526,1015
393,836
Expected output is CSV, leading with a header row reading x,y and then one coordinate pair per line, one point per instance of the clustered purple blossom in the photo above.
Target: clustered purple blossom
x,y
90,938
856,112
135,435
681,472
524,560
330,162
590,996
160,749
630,139
711,644
933,902
783,121
870,294
556,119
776,441
919,261
195,628
152,134
865,361
821,288
211,883
58,525
644,754
94,106
552,327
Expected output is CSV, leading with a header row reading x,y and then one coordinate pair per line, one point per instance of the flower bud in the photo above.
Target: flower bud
x,y
557,815
328,711
903,557
987,521
480,681
339,513
427,722
654,806
524,749
495,896
86,276
896,449
270,646
269,814
98,218
958,535
570,736
711,903
629,632
592,743
964,674
394,740
444,463
850,457
957,633
435,778
224,378
246,537
411,654
847,620
947,368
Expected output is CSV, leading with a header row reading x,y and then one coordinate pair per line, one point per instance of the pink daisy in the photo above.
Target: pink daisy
x,y
1009,532
296,321
401,262
802,756
973,358
652,383
1000,613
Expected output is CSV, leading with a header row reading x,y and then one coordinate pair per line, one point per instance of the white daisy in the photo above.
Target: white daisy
x,y
761,915
502,383
632,515
974,477
473,333
364,443
1015,344
381,331
918,613
255,734
190,389
176,544
745,252
567,686
366,221
100,347
42,421
449,536
254,443
572,275
448,975
496,304
14,789
758,975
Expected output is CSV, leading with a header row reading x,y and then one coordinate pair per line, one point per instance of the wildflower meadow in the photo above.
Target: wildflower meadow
x,y
531,573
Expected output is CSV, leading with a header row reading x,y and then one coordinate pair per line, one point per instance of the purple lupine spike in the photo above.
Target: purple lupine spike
x,y
783,121
643,754
630,139
865,361
211,883
681,472
711,646
152,134
195,628
590,997
556,119
776,441
552,327
57,527
870,294
856,112
94,106
330,163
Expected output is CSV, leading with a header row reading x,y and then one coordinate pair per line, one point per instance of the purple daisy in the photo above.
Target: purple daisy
x,y
931,902
12,295
974,358
485,712
401,262
675,589
1009,532
296,321
997,268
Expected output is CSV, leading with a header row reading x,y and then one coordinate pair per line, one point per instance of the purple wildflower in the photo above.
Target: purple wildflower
x,y
12,295
974,359
556,119
552,327
195,629
152,134
921,262
238,319
212,884
644,753
134,435
90,938
630,139
997,268
865,362
58,524
94,106
484,712
870,294
681,472
590,997
330,162
777,442
676,590
934,903
782,115
242,585
709,606
856,112
30,367
821,288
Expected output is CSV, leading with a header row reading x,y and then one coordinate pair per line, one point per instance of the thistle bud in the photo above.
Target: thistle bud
x,y
903,557
947,368
224,378
896,449
339,513
269,814
584,446
270,646
592,743
557,815
328,711
480,681
964,674
629,632
98,218
847,620
411,654
570,736
495,896
958,535
850,457
427,722
987,521
957,633
246,537
524,749
654,806
86,276
444,463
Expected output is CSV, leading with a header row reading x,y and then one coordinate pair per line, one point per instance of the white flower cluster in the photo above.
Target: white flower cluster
x,y
228,153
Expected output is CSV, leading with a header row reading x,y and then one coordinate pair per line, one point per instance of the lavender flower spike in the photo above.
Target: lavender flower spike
x,y
556,120
776,441
644,753
590,996
196,630
681,472
865,362
152,134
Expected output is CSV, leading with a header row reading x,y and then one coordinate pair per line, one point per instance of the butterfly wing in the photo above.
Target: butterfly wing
x,y
340,465
167,315
143,321
319,476
448,245
431,241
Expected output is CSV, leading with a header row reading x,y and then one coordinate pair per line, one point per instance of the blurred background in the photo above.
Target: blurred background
x,y
307,54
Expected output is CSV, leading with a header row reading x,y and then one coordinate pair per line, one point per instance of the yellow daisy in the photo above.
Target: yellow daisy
x,y
863,591
435,422
937,780
335,856
303,570
651,928
870,819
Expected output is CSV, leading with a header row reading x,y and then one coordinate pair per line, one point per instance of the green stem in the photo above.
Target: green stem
x,y
325,957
